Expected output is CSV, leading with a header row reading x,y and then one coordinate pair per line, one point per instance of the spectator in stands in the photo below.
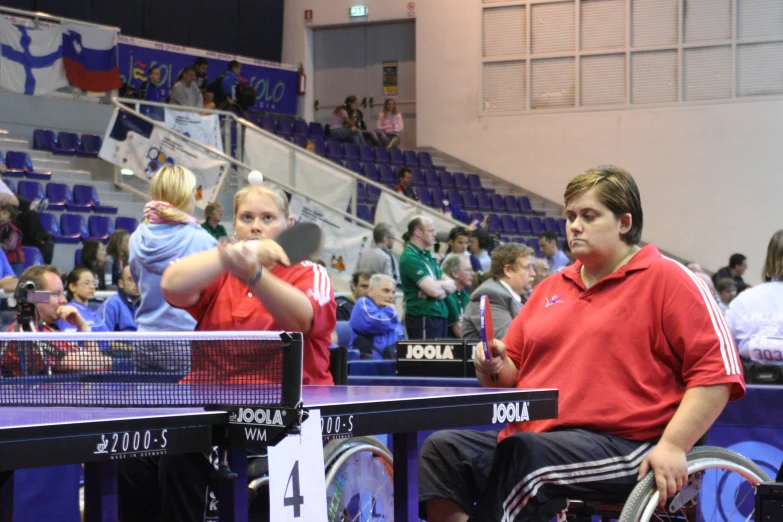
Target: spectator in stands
x,y
375,321
727,291
379,259
118,312
756,315
541,266
404,184
79,290
213,215
309,146
510,277
620,308
74,358
342,127
93,258
737,266
152,89
390,122
33,232
200,66
168,232
8,279
186,92
225,86
457,267
555,257
117,255
360,283
459,239
6,196
373,137
11,238
480,246
423,284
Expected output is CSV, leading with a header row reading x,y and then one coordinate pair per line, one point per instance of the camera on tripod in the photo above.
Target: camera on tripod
x,y
24,300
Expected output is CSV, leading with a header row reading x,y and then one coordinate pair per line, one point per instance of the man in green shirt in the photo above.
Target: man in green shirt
x,y
214,214
457,267
423,285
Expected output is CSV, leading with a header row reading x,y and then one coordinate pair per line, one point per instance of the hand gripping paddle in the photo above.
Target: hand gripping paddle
x,y
300,241
485,326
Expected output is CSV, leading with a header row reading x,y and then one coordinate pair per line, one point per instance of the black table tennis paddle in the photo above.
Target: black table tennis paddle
x,y
300,241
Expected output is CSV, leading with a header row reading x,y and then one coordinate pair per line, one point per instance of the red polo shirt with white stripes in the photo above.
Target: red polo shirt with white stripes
x,y
623,352
228,305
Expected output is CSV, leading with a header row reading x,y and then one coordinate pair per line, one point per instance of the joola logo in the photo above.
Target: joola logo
x,y
431,352
511,412
258,416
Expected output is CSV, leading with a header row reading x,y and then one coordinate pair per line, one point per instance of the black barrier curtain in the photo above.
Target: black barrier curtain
x,y
252,28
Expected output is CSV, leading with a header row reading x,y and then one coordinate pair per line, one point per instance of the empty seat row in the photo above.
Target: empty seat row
x,y
73,228
20,165
83,198
67,143
523,225
287,127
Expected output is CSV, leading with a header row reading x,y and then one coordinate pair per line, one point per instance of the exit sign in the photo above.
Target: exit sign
x,y
358,10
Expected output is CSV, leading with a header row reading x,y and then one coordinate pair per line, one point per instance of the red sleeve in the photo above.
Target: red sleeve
x,y
208,296
313,280
694,328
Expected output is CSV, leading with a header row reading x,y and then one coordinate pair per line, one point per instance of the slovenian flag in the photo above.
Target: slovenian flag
x,y
90,57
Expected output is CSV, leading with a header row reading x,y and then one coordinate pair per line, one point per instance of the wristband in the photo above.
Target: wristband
x,y
253,279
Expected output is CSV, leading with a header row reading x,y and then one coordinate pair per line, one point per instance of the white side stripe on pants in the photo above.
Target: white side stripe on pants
x,y
573,473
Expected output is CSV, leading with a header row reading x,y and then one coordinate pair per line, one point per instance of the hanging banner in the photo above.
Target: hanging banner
x,y
390,78
136,144
204,129
342,242
275,84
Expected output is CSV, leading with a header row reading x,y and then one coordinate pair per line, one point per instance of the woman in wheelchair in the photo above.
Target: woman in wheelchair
x,y
639,352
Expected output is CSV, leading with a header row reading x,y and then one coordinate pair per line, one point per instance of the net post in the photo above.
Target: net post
x,y
291,394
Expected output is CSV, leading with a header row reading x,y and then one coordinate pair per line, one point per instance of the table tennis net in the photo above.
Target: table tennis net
x,y
150,369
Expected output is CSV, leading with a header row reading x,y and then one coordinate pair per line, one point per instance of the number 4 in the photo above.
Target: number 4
x,y
296,499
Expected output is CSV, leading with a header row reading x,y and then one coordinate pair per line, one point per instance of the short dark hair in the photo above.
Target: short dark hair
x,y
233,64
413,225
549,236
402,172
350,99
35,274
201,61
188,69
361,274
73,278
152,68
455,232
484,239
736,260
725,283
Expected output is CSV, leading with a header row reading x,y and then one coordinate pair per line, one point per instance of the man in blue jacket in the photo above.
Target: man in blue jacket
x,y
375,321
119,311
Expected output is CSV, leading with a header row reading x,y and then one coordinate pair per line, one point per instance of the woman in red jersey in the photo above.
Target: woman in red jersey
x,y
247,286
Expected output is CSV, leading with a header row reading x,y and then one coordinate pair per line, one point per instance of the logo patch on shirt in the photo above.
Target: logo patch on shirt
x,y
553,301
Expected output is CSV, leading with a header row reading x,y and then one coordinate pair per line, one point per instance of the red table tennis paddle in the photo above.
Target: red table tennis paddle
x,y
300,241
486,329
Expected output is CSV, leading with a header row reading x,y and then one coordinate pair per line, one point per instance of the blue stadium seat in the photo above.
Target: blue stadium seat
x,y
284,127
446,179
316,130
478,217
126,223
411,159
68,143
345,334
335,150
533,243
484,203
351,152
9,182
30,190
373,194
512,205
550,225
523,226
526,208
300,128
418,178
431,179
366,154
455,198
460,181
395,157
439,195
32,256
84,204
498,205
387,176
73,225
354,166
425,161
536,225
50,224
382,155
425,196
100,227
507,225
474,182
77,257
89,146
361,193
363,212
561,227
469,201
371,172
57,194
300,141
16,164
493,225
338,162
320,147
96,201
269,124
43,139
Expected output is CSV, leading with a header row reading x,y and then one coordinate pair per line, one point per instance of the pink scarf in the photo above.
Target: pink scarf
x,y
151,213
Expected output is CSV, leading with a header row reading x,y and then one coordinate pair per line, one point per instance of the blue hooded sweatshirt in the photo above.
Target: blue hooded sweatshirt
x,y
380,323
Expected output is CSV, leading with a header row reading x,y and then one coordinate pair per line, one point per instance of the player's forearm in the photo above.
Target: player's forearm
x,y
698,410
290,307
506,378
185,279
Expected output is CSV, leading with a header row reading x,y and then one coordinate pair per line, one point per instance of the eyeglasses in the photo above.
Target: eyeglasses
x,y
56,296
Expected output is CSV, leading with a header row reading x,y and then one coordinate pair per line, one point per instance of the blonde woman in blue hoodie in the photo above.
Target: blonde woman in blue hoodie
x,y
168,232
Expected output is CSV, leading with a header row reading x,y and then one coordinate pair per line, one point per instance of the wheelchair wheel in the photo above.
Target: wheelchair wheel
x,y
714,474
359,481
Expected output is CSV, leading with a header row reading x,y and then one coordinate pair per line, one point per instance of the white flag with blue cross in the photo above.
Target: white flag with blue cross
x,y
31,61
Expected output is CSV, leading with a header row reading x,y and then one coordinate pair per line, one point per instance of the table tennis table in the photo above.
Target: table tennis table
x,y
100,437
